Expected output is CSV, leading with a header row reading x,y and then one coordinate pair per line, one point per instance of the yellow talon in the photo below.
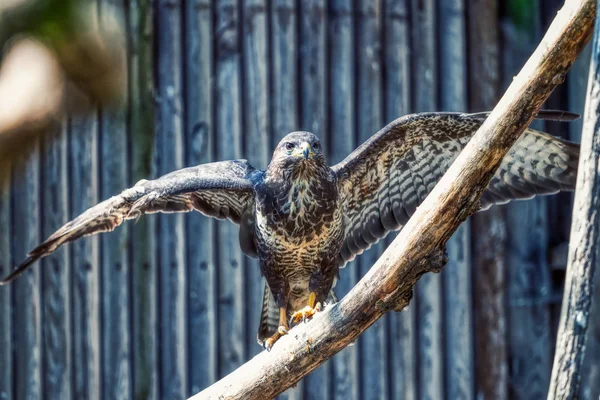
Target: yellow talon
x,y
312,298
281,330
308,311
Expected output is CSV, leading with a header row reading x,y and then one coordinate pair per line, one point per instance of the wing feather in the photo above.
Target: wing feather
x,y
384,180
222,190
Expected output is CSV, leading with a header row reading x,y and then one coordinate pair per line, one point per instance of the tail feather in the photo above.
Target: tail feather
x,y
269,317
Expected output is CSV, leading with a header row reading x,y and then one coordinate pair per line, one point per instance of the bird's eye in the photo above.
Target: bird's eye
x,y
289,146
316,146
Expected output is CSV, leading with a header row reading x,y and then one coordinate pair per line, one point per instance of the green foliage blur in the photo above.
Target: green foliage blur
x,y
50,21
521,12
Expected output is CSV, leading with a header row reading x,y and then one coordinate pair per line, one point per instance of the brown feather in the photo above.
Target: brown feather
x,y
384,180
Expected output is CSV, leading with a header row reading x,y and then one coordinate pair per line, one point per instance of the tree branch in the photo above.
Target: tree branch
x,y
388,285
583,259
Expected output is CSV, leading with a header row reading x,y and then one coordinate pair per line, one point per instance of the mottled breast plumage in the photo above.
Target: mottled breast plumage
x,y
298,212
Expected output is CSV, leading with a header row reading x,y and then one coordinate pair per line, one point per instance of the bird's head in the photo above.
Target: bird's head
x,y
297,152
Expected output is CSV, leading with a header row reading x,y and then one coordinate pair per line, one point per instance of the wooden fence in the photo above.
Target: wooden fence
x,y
163,308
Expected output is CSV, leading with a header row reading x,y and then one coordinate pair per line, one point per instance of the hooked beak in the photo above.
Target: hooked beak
x,y
306,150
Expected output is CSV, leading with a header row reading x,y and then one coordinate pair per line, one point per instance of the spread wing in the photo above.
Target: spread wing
x,y
383,181
221,190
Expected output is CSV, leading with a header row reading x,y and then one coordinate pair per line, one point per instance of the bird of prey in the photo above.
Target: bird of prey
x,y
304,220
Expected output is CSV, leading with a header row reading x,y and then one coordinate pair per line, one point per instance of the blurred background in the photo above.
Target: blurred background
x,y
165,307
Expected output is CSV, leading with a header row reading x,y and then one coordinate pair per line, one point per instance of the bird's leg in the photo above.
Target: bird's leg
x,y
281,330
309,310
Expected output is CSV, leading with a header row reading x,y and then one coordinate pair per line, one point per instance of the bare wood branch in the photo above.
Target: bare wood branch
x,y
418,248
583,249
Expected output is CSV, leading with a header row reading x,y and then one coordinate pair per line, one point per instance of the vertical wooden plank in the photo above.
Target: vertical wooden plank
x,y
565,97
143,260
559,99
28,306
372,343
202,306
576,85
559,209
459,368
171,236
401,333
256,139
83,166
6,264
55,269
429,289
344,366
283,75
459,342
489,228
85,275
528,275
229,146
115,272
456,276
312,61
284,69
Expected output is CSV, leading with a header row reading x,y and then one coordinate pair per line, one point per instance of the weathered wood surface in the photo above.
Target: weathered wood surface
x,y
114,267
85,262
489,314
55,270
6,374
418,247
171,232
345,367
256,123
429,291
283,69
200,232
457,276
401,334
368,51
85,275
228,73
590,372
560,207
27,292
144,327
528,274
583,251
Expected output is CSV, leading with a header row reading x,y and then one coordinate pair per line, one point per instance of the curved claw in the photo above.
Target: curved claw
x,y
305,313
268,344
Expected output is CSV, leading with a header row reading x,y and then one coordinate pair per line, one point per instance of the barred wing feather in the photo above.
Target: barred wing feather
x,y
222,190
384,180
